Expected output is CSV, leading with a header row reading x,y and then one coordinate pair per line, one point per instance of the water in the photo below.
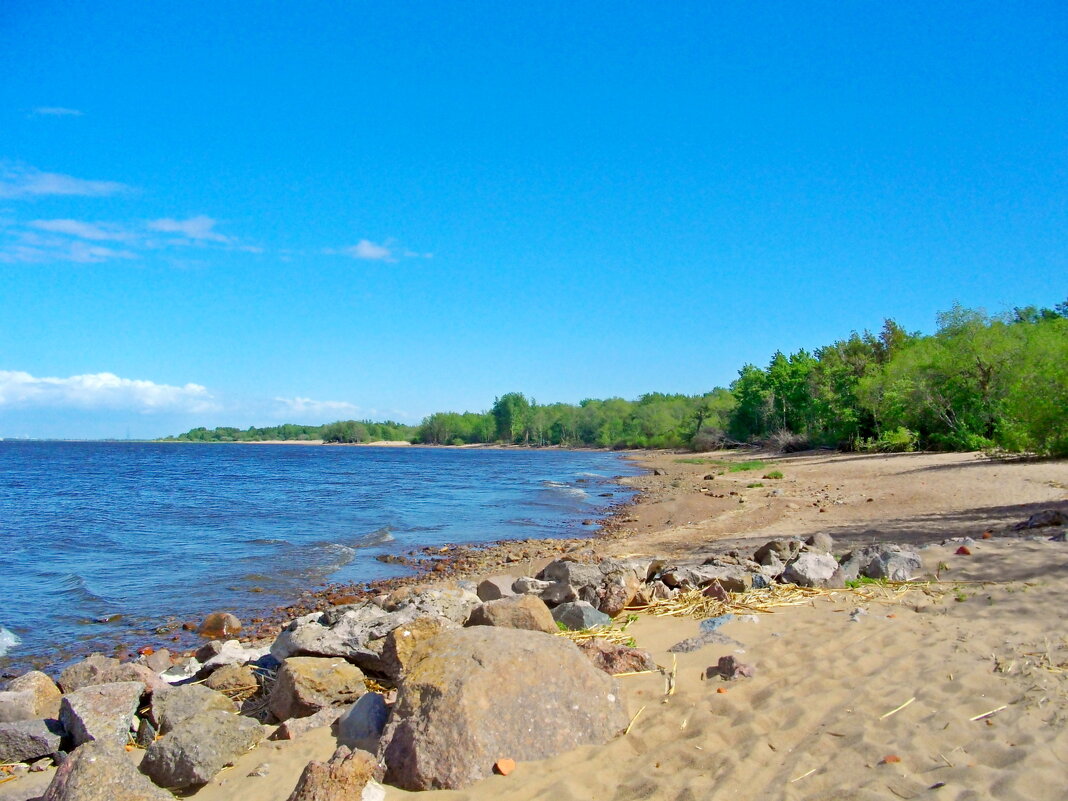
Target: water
x,y
105,542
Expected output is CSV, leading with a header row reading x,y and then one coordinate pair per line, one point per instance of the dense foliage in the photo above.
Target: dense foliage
x,y
978,382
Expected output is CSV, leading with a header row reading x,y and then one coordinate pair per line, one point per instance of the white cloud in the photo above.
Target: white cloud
x,y
101,391
308,406
366,249
19,181
56,111
199,228
38,250
83,230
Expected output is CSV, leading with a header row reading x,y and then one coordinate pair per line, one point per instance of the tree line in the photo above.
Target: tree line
x,y
979,382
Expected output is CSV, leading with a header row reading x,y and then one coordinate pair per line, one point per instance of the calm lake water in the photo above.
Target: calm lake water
x,y
105,542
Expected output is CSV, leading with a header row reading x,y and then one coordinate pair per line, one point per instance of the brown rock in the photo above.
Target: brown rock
x,y
730,667
452,721
175,704
306,684
517,612
504,766
619,591
218,625
46,694
231,680
341,779
294,727
613,659
101,771
99,669
398,644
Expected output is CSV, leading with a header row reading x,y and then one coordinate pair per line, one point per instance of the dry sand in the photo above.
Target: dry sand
x,y
818,721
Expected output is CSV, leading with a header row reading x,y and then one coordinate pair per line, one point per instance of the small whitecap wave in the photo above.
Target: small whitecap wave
x,y
266,541
73,586
590,475
8,640
377,537
553,484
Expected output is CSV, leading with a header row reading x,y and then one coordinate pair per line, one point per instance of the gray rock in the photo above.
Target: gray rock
x,y
783,549
157,661
731,668
355,634
228,652
198,748
45,693
496,587
293,728
101,712
559,592
821,541
883,561
525,585
811,569
454,605
23,740
475,694
146,733
183,671
579,615
175,704
1047,517
19,705
101,771
517,612
584,578
362,723
306,684
346,777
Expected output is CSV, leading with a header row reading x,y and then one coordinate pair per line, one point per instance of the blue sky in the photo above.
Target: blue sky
x,y
224,213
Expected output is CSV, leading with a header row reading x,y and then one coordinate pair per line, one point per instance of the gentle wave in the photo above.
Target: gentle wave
x,y
377,537
8,640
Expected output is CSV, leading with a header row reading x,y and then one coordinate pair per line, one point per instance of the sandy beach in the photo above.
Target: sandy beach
x,y
952,690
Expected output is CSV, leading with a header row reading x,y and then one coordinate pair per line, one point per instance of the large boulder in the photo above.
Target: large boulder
x,y
362,724
781,549
219,624
101,712
306,684
476,694
101,771
175,704
811,569
45,693
516,612
198,748
585,579
24,740
233,680
343,778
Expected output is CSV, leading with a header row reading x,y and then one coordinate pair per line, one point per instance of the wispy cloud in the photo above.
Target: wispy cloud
x,y
56,111
83,230
19,181
387,251
307,406
101,391
200,228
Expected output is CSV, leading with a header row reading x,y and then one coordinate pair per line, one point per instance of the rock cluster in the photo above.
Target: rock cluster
x,y
448,651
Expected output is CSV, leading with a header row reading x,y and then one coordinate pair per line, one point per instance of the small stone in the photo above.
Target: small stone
x,y
218,625
580,615
146,733
730,668
101,771
614,659
101,712
963,550
504,766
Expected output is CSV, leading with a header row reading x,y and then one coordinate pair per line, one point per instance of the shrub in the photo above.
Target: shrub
x,y
788,442
773,474
741,467
754,485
